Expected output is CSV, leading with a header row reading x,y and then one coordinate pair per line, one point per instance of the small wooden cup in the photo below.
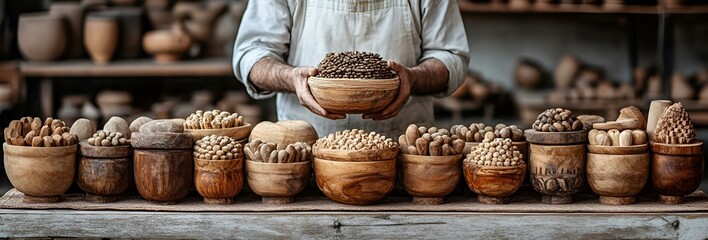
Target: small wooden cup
x,y
493,184
356,183
104,172
278,183
41,173
353,96
430,178
238,133
617,174
676,170
218,181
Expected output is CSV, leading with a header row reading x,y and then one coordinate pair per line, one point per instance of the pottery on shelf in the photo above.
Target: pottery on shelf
x,y
104,172
167,45
101,37
278,183
566,71
676,170
41,36
163,165
353,96
430,178
218,181
528,73
41,173
680,88
288,132
356,183
617,173
130,21
494,184
74,15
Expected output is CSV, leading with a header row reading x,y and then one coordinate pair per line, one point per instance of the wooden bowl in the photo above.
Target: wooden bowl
x,y
617,150
238,133
218,181
278,183
430,178
355,155
676,170
356,183
41,173
493,184
104,172
163,176
353,96
617,178
556,138
557,171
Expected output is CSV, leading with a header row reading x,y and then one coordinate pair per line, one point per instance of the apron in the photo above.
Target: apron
x,y
381,26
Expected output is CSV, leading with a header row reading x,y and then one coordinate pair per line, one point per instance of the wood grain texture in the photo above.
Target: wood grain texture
x,y
218,181
617,178
40,171
678,149
161,140
556,138
673,176
493,183
286,132
238,133
557,171
618,150
88,150
656,109
356,155
355,182
163,176
430,176
278,182
353,96
103,179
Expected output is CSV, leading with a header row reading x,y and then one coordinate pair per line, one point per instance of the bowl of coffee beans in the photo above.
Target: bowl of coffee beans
x,y
354,82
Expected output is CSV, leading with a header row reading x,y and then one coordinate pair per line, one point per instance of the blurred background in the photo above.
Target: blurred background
x,y
167,58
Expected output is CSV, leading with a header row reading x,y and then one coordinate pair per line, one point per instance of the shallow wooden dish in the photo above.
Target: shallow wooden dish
x,y
161,140
238,133
676,170
163,176
355,155
218,181
617,150
356,183
557,171
284,132
353,96
617,178
430,178
88,150
41,173
278,183
493,184
556,138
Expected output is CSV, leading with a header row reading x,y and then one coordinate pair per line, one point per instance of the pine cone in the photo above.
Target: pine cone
x,y
674,126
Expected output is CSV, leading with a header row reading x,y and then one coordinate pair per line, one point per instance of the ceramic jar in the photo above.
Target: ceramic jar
x,y
41,36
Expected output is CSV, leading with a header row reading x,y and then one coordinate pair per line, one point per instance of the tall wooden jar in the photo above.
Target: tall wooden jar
x,y
676,170
557,164
163,165
617,173
104,172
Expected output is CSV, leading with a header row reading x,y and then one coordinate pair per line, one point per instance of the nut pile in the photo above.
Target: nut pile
x,y
614,137
33,132
477,132
674,126
354,65
497,152
430,142
107,138
355,139
259,151
557,120
214,147
214,119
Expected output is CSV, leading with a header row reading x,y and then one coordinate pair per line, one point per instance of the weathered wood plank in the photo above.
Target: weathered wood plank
x,y
350,225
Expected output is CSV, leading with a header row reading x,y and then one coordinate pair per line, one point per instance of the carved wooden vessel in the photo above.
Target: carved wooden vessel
x,y
163,166
104,172
617,174
218,181
353,96
430,178
493,184
278,183
676,170
41,173
355,183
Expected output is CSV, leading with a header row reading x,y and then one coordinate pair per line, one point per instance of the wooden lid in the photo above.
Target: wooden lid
x,y
617,150
356,155
556,138
695,148
88,150
161,140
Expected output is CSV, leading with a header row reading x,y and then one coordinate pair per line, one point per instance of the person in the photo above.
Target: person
x,y
280,41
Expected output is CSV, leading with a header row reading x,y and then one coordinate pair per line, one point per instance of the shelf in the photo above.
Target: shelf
x,y
471,7
210,67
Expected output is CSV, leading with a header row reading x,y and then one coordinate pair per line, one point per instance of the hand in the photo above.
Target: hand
x,y
404,91
302,89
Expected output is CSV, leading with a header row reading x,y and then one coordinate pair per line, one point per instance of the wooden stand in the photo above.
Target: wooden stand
x,y
278,200
430,178
617,200
676,170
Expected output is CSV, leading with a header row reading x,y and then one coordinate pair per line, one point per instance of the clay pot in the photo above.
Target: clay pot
x,y
356,183
104,172
528,74
430,178
676,170
41,36
163,165
288,132
167,45
74,14
617,174
238,133
200,24
353,96
41,173
218,181
278,183
131,30
493,184
565,72
101,37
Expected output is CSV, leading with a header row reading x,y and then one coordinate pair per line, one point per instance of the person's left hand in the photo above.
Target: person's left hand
x,y
404,91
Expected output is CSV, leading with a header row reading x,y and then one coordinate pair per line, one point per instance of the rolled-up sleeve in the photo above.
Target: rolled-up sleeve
x,y
264,32
444,38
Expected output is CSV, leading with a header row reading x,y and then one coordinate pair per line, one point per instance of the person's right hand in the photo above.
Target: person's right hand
x,y
302,89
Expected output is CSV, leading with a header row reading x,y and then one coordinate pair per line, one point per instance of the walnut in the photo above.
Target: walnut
x,y
557,120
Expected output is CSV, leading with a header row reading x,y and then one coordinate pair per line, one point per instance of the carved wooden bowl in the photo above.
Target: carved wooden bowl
x,y
104,172
430,178
493,184
163,165
278,183
355,155
355,183
218,181
557,171
41,173
238,133
617,177
353,96
676,170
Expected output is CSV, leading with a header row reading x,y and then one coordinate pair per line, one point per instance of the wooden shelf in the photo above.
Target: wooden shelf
x,y
209,67
471,7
